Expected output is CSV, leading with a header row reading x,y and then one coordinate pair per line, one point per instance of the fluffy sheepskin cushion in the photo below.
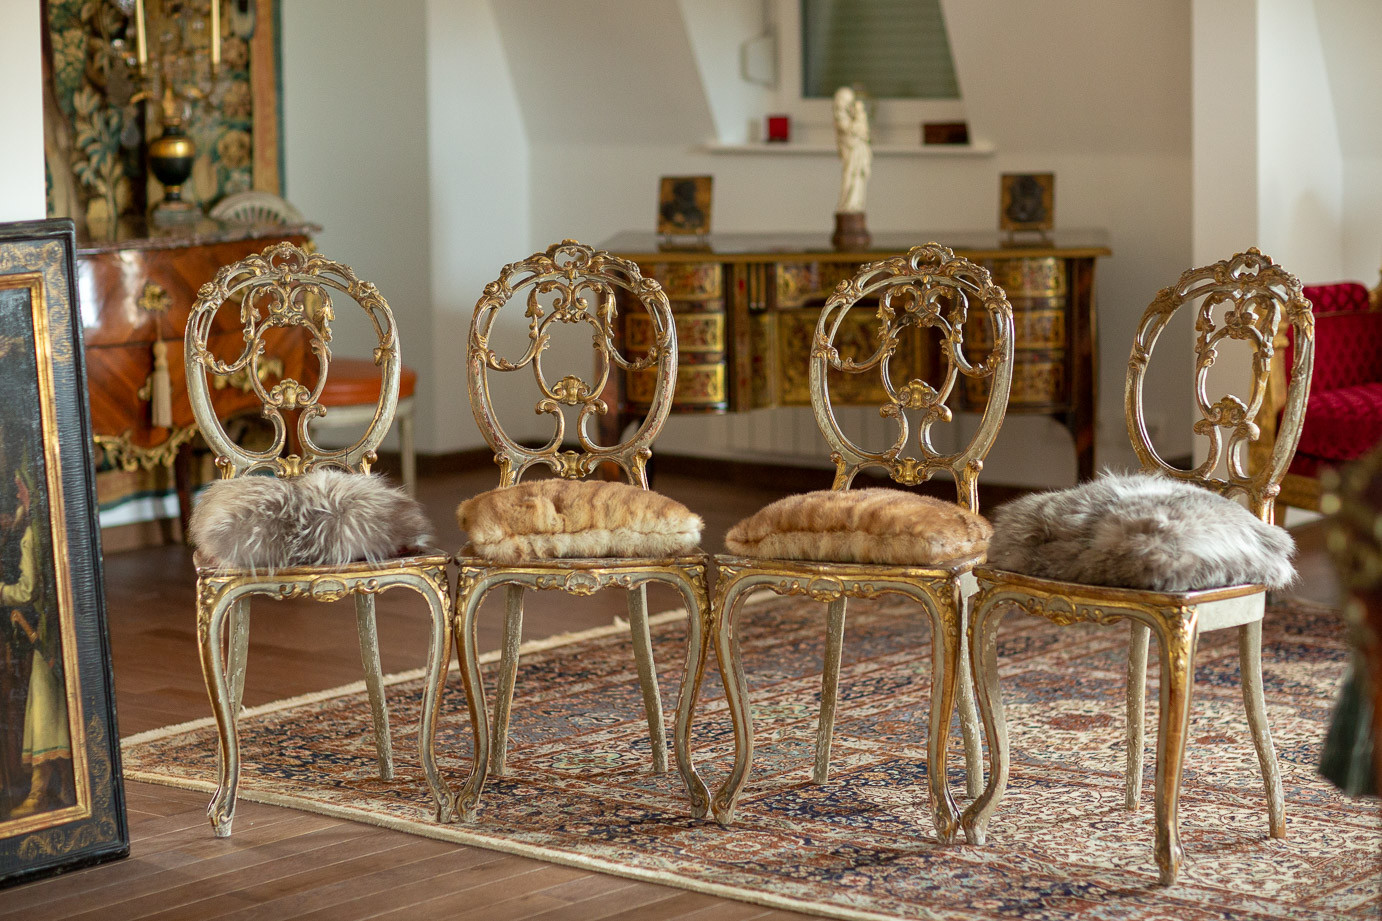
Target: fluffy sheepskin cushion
x,y
543,519
1140,531
861,526
323,518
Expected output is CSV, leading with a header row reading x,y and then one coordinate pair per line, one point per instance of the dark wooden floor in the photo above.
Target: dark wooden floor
x,y
283,864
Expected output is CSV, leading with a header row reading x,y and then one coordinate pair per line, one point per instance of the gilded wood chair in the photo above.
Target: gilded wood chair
x,y
1254,296
568,533
286,287
934,544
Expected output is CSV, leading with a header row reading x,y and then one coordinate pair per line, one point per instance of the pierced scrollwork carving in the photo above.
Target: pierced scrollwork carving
x,y
1253,297
928,288
571,284
285,286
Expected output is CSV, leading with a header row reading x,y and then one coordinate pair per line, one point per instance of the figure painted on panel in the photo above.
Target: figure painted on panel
x,y
856,156
36,772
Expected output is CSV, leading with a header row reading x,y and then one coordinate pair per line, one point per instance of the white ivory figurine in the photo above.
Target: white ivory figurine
x,y
856,156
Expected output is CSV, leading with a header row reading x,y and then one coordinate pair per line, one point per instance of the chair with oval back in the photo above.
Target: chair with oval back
x,y
239,314
829,545
569,533
1255,296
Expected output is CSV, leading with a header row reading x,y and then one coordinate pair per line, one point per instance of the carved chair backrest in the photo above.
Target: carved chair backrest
x,y
283,288
571,284
928,288
1255,296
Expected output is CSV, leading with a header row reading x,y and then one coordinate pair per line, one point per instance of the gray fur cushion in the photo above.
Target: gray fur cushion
x,y
325,517
1140,531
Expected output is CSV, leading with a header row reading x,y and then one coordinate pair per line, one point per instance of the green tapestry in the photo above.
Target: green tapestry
x,y
100,110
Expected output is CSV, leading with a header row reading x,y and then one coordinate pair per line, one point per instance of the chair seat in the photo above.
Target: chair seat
x,y
324,517
874,526
355,381
206,566
546,519
1140,531
1343,424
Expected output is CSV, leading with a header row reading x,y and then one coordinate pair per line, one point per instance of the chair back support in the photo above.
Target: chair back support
x,y
571,283
930,287
1256,295
284,288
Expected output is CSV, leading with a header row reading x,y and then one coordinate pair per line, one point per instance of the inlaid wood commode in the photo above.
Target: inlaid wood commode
x,y
136,292
746,307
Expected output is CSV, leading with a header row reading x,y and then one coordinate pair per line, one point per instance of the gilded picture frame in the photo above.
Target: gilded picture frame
x,y
683,206
1027,202
61,799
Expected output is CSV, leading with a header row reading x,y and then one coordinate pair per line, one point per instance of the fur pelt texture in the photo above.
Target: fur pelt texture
x,y
544,519
876,525
325,517
1140,531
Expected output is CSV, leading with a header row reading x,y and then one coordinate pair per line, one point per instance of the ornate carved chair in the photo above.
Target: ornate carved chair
x,y
1343,418
1061,531
327,492
840,543
353,389
568,533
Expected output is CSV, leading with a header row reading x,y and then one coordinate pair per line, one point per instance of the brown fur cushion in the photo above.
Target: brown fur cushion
x,y
325,517
861,526
542,519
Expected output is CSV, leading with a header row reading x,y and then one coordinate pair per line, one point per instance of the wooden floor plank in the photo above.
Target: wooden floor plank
x,y
405,868
505,871
498,900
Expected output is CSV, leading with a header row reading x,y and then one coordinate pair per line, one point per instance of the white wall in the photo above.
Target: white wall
x,y
1098,94
1300,177
21,112
479,165
355,87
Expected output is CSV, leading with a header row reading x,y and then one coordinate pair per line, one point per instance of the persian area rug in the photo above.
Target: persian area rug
x,y
580,789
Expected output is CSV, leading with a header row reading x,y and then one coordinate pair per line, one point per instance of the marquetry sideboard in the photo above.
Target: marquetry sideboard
x,y
746,307
136,290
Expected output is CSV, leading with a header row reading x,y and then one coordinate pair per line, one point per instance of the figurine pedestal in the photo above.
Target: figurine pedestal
x,y
851,231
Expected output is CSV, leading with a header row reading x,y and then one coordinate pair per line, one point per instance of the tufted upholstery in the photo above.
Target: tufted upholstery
x,y
1343,418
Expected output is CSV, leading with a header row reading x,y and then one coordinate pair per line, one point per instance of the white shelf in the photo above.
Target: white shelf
x,y
980,149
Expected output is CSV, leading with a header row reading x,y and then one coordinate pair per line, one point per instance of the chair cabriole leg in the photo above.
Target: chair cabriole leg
x,y
736,699
438,658
238,618
647,674
699,621
830,687
374,682
945,653
467,602
970,727
1176,642
1135,731
211,628
508,674
983,654
1250,664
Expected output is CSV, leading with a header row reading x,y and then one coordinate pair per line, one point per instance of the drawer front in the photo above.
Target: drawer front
x,y
683,281
1038,290
122,377
139,295
809,283
696,293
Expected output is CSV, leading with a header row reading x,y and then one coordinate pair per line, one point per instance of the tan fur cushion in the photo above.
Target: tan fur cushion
x,y
861,526
542,519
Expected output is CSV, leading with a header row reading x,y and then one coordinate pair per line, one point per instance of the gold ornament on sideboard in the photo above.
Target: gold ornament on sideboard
x,y
180,70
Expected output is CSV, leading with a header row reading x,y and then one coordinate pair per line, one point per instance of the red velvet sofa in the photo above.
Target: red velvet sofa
x,y
1343,418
